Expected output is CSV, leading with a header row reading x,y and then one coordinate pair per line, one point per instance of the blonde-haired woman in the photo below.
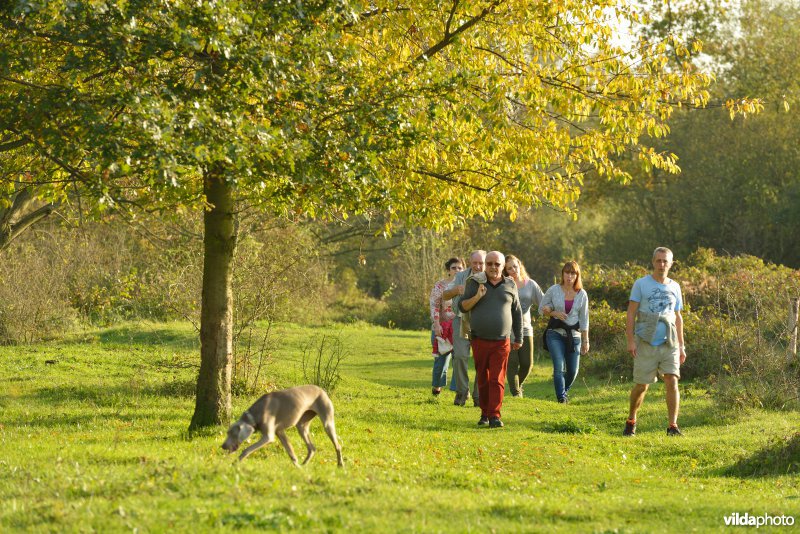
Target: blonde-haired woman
x,y
567,334
520,361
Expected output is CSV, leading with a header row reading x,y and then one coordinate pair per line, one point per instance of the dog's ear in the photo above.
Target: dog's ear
x,y
245,431
247,417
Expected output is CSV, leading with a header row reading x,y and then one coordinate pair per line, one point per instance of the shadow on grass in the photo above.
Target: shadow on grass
x,y
409,334
389,373
276,520
107,396
129,335
94,427
780,457
569,425
595,408
240,520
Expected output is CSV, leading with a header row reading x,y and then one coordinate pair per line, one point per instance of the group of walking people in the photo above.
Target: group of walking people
x,y
485,308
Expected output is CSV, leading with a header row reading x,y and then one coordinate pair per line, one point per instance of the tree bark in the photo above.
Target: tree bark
x,y
213,397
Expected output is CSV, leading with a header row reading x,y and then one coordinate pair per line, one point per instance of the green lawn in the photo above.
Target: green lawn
x,y
97,442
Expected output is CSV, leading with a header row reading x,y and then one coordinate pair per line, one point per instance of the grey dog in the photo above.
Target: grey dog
x,y
273,413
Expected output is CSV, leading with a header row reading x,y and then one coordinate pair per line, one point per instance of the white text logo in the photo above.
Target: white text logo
x,y
747,520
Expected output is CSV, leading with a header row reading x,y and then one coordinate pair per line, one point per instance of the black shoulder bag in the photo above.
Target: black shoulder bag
x,y
558,323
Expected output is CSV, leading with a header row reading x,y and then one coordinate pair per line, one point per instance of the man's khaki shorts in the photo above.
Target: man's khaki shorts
x,y
652,361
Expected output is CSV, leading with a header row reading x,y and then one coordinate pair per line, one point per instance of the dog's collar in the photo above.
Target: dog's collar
x,y
248,418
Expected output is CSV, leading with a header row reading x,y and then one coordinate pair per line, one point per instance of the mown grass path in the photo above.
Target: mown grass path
x,y
97,442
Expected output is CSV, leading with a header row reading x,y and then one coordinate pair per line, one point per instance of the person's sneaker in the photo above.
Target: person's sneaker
x,y
459,400
563,400
495,422
483,421
436,391
476,403
674,431
630,429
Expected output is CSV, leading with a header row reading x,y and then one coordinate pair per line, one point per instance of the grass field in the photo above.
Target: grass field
x,y
97,442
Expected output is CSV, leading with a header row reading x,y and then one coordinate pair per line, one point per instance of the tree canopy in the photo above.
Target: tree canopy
x,y
738,190
332,108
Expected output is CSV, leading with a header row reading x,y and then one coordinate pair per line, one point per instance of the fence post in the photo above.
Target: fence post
x,y
794,307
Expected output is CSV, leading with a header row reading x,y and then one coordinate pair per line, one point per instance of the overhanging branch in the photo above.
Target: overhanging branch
x,y
12,145
448,177
449,37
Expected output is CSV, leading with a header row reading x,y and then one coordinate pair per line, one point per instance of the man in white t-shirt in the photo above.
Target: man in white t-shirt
x,y
654,329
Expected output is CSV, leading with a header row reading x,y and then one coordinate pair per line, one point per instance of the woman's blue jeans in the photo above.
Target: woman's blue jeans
x,y
566,359
440,366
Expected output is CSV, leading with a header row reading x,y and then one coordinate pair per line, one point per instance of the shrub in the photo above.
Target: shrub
x,y
116,273
359,309
611,285
735,325
409,312
740,329
607,326
278,275
111,271
351,305
609,355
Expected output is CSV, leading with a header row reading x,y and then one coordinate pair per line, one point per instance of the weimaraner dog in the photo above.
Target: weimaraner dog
x,y
273,413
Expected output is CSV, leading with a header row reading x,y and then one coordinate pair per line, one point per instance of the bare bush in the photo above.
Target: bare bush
x,y
277,276
121,271
741,344
34,301
115,270
320,362
252,355
417,265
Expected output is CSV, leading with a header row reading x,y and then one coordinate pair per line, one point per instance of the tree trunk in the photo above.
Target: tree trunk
x,y
213,402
